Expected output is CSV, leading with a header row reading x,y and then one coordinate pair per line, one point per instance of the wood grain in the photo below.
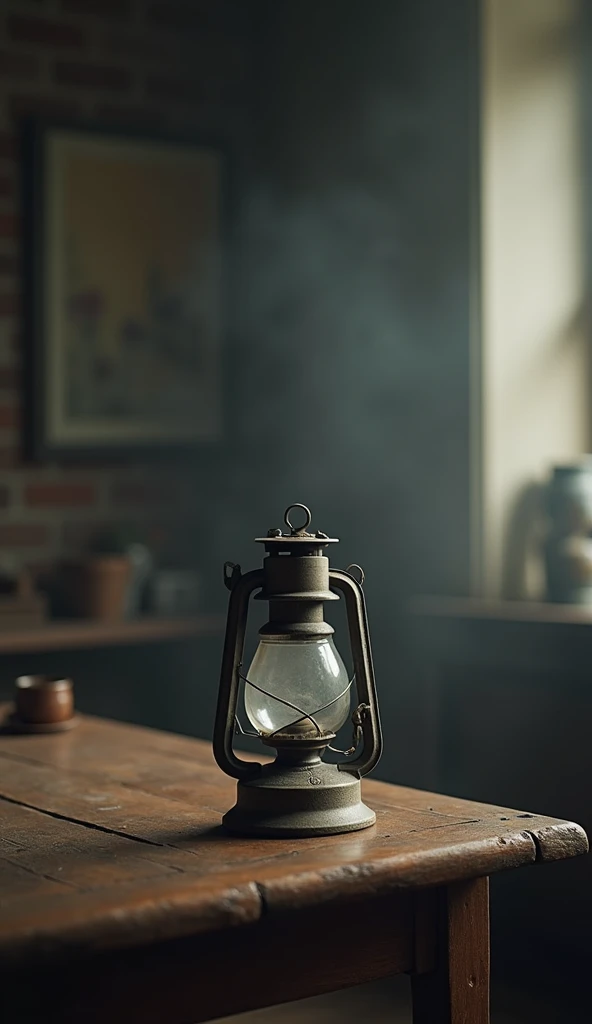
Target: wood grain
x,y
276,959
457,990
114,834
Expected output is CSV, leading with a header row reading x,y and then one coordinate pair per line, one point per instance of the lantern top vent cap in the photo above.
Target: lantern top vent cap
x,y
298,534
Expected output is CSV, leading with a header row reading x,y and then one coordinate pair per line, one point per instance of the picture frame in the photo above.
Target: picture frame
x,y
124,289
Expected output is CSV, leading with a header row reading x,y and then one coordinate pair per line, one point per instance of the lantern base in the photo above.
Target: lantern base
x,y
294,801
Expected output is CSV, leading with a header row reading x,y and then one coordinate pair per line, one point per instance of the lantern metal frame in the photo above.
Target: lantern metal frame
x,y
298,794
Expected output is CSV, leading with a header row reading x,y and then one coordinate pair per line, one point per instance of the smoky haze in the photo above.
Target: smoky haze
x,y
351,332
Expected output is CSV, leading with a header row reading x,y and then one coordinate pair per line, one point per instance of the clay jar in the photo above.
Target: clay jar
x,y
98,586
44,700
568,548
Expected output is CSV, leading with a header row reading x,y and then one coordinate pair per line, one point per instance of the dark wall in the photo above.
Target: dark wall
x,y
353,354
507,703
149,66
349,303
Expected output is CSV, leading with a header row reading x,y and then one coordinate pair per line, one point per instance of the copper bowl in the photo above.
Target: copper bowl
x,y
44,700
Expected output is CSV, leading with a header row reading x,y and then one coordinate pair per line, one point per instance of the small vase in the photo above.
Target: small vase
x,y
99,585
568,548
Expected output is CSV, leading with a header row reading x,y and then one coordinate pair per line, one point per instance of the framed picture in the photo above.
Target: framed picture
x,y
123,299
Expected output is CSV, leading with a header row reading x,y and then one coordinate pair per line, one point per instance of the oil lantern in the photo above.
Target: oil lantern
x,y
296,693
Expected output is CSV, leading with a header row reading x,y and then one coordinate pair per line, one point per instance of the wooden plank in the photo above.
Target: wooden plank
x,y
224,872
125,753
162,797
457,990
554,839
100,741
146,756
61,929
468,951
81,634
100,802
17,882
182,768
278,959
193,827
72,855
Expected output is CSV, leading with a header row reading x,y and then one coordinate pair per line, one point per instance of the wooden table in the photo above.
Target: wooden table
x,y
121,898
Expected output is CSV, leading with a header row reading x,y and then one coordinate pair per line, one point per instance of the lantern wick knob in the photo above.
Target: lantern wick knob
x,y
305,525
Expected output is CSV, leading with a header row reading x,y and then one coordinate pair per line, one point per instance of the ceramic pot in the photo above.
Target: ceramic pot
x,y
43,700
568,548
98,586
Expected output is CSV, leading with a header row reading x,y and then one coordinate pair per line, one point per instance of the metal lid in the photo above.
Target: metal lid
x,y
298,535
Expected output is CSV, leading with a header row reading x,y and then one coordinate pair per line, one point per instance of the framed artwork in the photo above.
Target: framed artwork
x,y
124,279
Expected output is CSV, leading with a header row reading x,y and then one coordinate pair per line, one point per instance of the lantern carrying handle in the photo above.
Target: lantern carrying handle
x,y
307,522
234,642
364,672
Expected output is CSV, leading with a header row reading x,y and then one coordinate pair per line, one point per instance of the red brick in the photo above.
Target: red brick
x,y
9,377
207,88
60,495
80,465
119,9
165,88
7,147
43,105
9,458
206,54
141,117
92,76
191,15
23,535
158,538
144,492
9,416
132,44
9,264
9,305
9,225
42,570
44,32
18,65
78,536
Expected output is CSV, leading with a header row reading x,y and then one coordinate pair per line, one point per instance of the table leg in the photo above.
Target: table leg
x,y
457,990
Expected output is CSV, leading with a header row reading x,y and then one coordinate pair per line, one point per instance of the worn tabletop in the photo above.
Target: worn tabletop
x,y
110,838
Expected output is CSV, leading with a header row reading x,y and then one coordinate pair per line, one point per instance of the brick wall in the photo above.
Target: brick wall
x,y
151,64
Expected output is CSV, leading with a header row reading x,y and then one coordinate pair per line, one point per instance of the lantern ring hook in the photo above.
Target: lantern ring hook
x,y
307,522
361,575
